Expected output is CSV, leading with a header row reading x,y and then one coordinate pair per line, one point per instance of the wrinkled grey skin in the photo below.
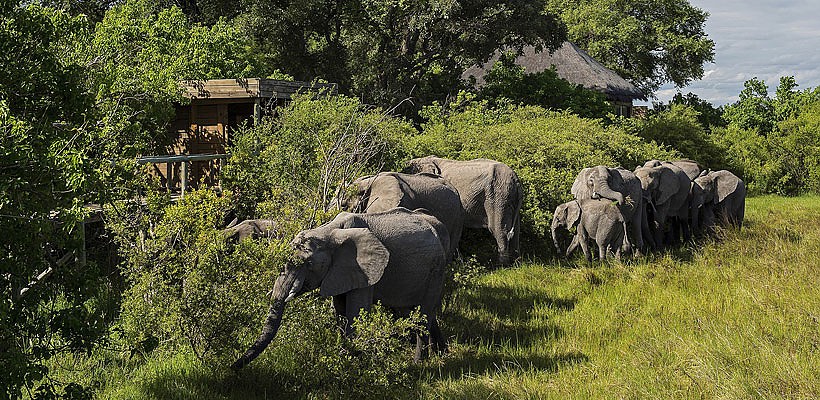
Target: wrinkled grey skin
x,y
249,228
619,185
719,195
691,168
667,189
388,190
599,220
396,257
491,196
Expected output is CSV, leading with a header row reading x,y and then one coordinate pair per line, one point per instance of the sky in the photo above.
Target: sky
x,y
766,39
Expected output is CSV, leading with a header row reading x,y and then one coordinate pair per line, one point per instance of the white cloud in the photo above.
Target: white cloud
x,y
757,38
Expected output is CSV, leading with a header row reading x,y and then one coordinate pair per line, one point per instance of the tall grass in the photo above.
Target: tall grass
x,y
734,317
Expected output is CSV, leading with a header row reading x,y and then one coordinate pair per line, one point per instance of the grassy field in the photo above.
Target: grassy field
x,y
735,317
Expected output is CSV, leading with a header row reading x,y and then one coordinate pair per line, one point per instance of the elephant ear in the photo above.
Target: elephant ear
x,y
385,193
725,185
668,185
430,167
358,261
579,187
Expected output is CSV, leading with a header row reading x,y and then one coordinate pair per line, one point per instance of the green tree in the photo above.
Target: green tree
x,y
753,110
649,42
387,50
678,127
507,81
708,115
46,292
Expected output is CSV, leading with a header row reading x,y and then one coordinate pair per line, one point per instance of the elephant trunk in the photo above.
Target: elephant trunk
x,y
283,290
555,238
602,189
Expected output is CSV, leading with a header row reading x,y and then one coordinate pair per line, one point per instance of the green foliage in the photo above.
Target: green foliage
x,y
136,57
292,164
648,42
773,141
186,287
678,128
729,319
507,81
754,109
45,180
546,149
708,115
387,50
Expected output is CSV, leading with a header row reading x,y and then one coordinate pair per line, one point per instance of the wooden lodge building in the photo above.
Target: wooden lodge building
x,y
202,130
577,67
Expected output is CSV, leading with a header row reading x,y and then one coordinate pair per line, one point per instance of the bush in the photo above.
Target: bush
x,y
187,288
507,82
678,128
295,160
546,149
784,161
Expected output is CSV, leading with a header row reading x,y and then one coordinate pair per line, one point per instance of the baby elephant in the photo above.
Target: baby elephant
x,y
596,219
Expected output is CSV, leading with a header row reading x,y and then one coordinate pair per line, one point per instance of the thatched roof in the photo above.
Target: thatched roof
x,y
572,64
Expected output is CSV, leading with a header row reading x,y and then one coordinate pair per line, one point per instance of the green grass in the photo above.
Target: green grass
x,y
737,317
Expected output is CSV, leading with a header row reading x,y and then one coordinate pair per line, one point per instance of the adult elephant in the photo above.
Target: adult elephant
x,y
491,196
388,190
691,168
619,185
666,188
719,194
396,257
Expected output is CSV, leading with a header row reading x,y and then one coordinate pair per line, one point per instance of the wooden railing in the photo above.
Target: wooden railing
x,y
185,159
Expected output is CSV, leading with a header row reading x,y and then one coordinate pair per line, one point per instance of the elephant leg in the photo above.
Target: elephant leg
x,y
573,245
438,338
583,241
356,301
636,238
421,345
339,304
502,226
687,233
602,246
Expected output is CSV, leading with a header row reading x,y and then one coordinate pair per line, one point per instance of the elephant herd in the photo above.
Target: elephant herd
x,y
658,204
398,230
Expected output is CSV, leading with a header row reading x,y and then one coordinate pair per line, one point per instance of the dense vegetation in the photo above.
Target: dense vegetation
x,y
90,85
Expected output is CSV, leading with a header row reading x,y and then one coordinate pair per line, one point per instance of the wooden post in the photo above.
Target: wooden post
x,y
169,175
257,111
183,184
222,162
81,258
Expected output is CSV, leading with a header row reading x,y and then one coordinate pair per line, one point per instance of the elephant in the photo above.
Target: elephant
x,y
387,190
691,168
396,257
252,228
491,196
597,219
619,185
719,194
666,188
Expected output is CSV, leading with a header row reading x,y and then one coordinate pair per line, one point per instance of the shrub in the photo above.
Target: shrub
x,y
678,128
295,160
784,161
186,288
507,82
546,149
